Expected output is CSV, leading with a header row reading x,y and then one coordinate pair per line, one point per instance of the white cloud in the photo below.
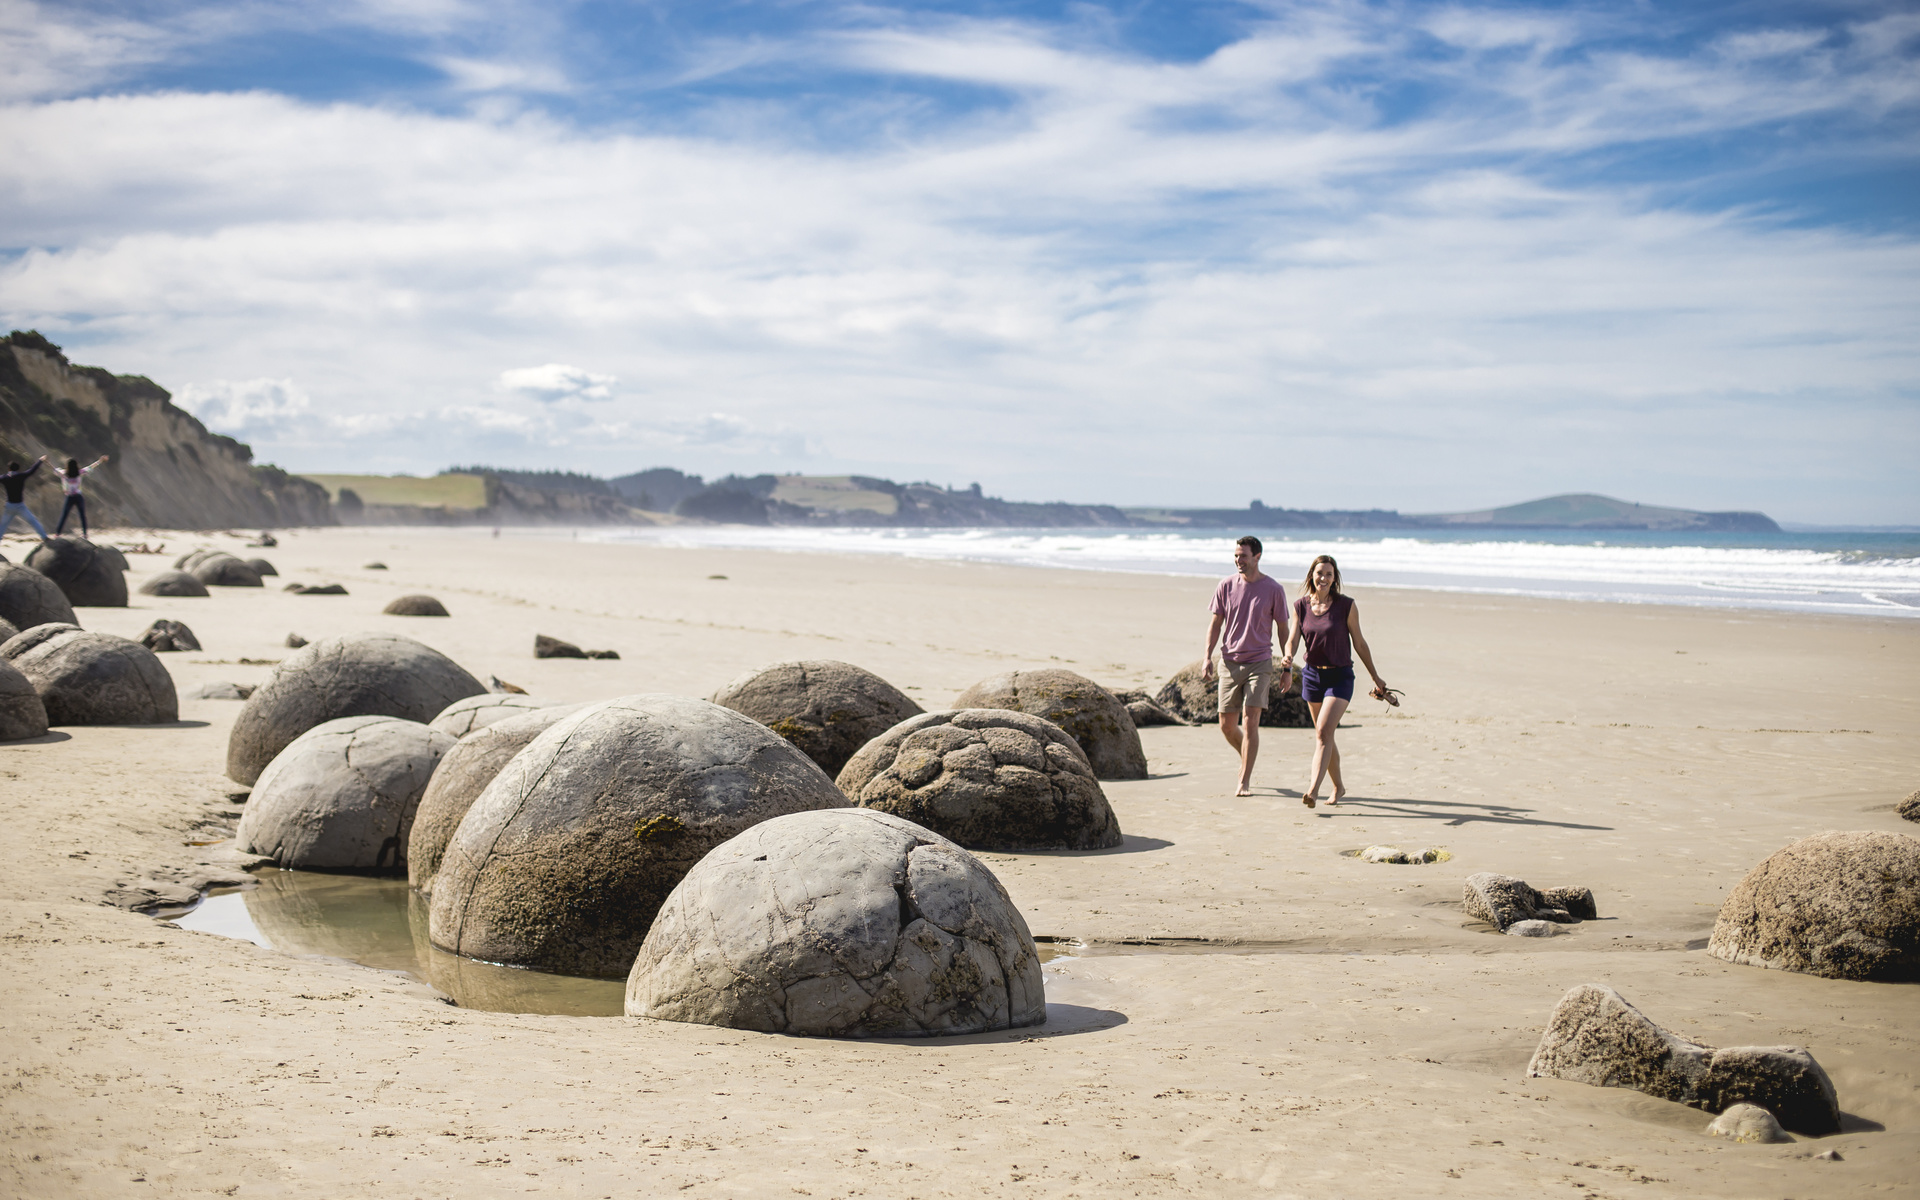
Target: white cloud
x,y
246,407
557,381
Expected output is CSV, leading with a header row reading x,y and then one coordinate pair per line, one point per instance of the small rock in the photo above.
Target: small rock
x,y
295,641
1501,900
1532,928
222,690
551,647
1384,854
1145,710
164,635
603,654
375,566
415,606
325,589
1829,1156
497,684
1576,901
265,540
1747,1123
1910,807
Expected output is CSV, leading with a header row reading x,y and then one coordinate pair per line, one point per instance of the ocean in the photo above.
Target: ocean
x,y
1871,573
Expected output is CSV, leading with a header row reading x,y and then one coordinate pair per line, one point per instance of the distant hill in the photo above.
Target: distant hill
x,y
477,496
1583,510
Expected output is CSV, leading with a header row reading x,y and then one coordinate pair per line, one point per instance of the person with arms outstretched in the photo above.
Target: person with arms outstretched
x,y
70,480
15,481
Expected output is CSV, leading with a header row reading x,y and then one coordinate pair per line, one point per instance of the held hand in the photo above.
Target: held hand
x,y
1206,672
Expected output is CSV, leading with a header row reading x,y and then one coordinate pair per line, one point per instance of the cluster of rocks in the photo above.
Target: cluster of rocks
x,y
1513,907
552,647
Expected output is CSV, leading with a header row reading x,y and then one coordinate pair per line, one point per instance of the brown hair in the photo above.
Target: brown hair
x,y
73,468
1250,542
1327,559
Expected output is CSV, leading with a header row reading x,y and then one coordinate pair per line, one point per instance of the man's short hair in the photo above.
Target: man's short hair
x,y
1252,543
13,466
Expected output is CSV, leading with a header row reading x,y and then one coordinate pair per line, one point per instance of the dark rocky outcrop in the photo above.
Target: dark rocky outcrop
x,y
28,598
1189,696
1596,1037
564,859
987,778
22,715
1840,905
845,923
829,709
164,635
93,678
1088,712
415,606
86,576
366,675
173,583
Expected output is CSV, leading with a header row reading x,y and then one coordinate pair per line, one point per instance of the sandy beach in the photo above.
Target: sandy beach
x,y
1331,1028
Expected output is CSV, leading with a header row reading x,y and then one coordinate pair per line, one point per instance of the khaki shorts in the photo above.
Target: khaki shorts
x,y
1244,685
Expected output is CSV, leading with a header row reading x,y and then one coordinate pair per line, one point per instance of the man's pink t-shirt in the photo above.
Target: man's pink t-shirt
x,y
1251,610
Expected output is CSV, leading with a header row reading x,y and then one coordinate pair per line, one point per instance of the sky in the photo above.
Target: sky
x,y
1424,256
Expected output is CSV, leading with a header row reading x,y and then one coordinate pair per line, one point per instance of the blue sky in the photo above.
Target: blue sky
x,y
1422,256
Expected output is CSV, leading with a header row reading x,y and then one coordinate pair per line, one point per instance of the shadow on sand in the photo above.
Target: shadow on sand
x,y
1452,812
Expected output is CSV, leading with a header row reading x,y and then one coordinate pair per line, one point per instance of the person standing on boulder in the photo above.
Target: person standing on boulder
x,y
70,480
1246,607
1330,624
15,481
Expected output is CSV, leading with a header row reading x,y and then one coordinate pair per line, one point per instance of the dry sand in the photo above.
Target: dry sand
x,y
1362,1040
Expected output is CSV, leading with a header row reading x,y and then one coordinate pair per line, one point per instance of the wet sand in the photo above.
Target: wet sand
x,y
1342,1030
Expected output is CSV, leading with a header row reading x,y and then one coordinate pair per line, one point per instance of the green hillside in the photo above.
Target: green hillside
x,y
434,491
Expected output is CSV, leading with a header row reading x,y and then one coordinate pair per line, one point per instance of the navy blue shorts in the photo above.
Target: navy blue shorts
x,y
1317,683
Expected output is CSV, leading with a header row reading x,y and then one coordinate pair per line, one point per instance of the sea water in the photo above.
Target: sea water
x,y
1870,573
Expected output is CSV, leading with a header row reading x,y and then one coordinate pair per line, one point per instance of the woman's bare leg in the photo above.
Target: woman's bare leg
x,y
1311,797
1326,719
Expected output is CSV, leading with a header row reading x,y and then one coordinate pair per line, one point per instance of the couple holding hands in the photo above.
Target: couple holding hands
x,y
1246,607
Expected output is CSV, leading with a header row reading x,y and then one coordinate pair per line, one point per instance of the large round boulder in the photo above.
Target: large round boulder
x,y
93,678
7,629
470,713
261,567
224,570
113,556
341,796
1190,696
987,778
1841,905
564,859
463,774
28,598
173,583
22,715
1089,713
85,575
375,674
828,709
848,923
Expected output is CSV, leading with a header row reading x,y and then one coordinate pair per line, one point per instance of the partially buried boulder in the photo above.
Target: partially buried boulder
x,y
564,859
553,647
1910,807
1145,710
261,567
828,709
1189,696
1088,712
164,635
220,569
471,713
365,675
1502,901
1841,905
462,775
93,678
22,715
1747,1123
415,606
86,576
988,778
341,796
316,589
844,924
1596,1037
173,583
28,598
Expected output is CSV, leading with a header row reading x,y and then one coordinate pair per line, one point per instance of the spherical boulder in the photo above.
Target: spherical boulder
x,y
1192,698
86,575
224,570
185,561
93,678
462,775
473,713
987,778
415,606
1088,712
1844,905
375,674
173,583
28,598
22,715
114,556
341,796
848,923
7,629
261,567
828,709
564,859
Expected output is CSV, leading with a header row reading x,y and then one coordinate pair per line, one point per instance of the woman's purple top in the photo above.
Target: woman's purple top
x,y
1328,643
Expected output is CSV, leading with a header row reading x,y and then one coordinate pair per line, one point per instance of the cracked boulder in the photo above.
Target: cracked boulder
x,y
419,605
1502,901
164,636
375,674
221,569
1596,1037
1089,713
1840,905
848,923
828,709
562,861
87,575
471,713
173,583
88,678
1191,698
987,778
28,598
341,796
463,774
22,715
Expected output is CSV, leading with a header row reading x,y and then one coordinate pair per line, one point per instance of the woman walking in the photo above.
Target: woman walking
x,y
70,480
1330,625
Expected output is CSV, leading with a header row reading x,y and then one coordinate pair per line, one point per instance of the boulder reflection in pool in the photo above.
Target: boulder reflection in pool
x,y
379,923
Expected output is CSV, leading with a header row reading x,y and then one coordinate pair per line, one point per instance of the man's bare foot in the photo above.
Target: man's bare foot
x,y
1310,801
1244,791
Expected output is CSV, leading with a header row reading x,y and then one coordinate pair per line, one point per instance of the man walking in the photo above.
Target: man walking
x,y
1246,606
15,481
